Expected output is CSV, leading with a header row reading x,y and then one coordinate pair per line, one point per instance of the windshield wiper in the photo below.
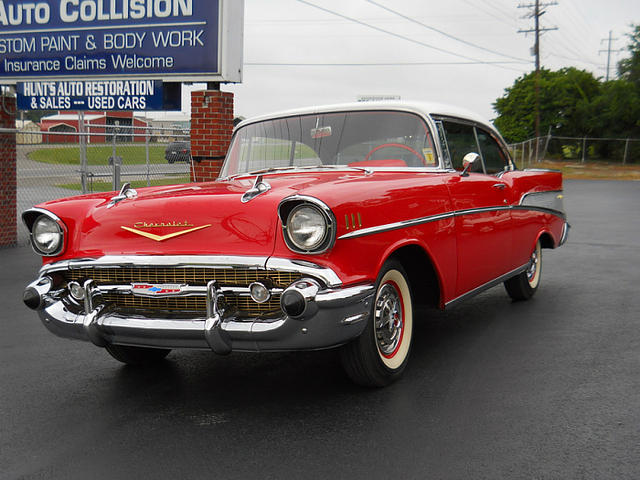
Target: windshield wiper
x,y
299,167
261,171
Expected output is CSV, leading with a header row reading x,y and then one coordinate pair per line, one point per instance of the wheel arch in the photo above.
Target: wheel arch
x,y
423,277
546,240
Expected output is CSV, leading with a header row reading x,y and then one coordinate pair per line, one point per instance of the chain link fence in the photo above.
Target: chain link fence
x,y
63,163
623,151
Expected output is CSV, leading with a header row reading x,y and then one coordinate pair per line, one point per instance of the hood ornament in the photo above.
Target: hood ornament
x,y
125,192
259,187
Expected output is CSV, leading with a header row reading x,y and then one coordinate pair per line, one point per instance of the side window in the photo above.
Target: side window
x,y
461,140
494,159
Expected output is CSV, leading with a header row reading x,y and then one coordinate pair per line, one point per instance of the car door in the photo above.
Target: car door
x,y
480,203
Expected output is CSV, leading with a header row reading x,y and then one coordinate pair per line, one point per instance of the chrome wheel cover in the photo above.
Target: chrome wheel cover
x,y
533,266
389,319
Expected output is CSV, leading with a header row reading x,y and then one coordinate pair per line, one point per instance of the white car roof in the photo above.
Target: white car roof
x,y
421,108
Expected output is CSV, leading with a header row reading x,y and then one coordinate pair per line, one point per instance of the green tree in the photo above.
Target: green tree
x,y
36,115
629,68
563,93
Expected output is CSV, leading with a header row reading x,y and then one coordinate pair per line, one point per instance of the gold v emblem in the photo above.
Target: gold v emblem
x,y
162,238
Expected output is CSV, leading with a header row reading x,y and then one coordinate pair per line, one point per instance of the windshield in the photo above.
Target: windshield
x,y
356,139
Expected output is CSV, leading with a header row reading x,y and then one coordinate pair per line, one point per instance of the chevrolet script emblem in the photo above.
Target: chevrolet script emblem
x,y
162,238
156,290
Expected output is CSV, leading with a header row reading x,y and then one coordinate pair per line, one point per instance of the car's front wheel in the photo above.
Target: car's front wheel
x,y
380,354
524,285
136,355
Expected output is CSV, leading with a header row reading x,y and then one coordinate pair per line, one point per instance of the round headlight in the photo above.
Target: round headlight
x,y
307,227
47,235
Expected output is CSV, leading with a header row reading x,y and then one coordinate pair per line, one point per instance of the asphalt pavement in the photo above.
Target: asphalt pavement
x,y
545,389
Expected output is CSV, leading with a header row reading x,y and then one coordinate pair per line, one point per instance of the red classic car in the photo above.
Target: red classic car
x,y
327,227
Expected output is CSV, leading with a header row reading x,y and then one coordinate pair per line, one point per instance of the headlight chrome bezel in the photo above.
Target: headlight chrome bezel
x,y
289,206
31,219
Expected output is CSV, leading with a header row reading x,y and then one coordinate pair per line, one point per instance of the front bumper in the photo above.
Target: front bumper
x,y
332,316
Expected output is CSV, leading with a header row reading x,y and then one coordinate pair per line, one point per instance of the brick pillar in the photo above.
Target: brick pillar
x,y
211,127
8,187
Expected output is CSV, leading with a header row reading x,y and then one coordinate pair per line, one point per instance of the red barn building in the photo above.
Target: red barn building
x,y
101,125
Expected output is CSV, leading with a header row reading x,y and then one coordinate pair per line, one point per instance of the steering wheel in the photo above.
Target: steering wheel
x,y
396,145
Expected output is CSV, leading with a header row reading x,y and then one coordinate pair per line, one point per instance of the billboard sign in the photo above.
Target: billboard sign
x,y
170,40
90,95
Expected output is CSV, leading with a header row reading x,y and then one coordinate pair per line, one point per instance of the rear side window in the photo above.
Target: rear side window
x,y
463,138
492,155
460,140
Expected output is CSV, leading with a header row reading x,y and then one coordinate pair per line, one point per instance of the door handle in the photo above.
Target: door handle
x,y
501,186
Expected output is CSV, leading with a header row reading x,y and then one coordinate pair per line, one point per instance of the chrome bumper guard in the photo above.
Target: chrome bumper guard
x,y
331,317
565,233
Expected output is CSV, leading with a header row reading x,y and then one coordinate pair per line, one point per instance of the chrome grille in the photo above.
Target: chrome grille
x,y
190,304
194,276
226,277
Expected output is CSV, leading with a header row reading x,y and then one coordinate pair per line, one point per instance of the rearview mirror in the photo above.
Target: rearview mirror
x,y
468,160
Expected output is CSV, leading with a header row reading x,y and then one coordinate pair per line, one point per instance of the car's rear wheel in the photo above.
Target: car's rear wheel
x,y
380,354
136,355
524,285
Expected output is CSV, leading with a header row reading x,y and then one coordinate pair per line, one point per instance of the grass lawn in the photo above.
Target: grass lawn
x,y
592,170
108,187
99,154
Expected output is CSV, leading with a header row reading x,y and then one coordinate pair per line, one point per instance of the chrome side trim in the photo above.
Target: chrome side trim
x,y
324,274
550,211
442,216
395,226
486,286
418,221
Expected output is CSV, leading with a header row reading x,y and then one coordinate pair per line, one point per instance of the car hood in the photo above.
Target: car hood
x,y
205,218
192,219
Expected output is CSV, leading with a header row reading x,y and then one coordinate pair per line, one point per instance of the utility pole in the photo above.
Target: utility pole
x,y
538,11
609,51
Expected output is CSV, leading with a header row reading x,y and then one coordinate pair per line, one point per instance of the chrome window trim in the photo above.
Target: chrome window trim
x,y
325,274
423,115
488,128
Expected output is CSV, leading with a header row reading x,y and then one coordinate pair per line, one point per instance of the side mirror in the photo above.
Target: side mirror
x,y
468,160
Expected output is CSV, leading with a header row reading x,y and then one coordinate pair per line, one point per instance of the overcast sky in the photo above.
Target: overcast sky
x,y
447,55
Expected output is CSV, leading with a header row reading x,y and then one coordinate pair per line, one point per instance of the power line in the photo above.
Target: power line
x,y
499,11
397,35
609,51
453,37
375,64
574,59
536,14
474,5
